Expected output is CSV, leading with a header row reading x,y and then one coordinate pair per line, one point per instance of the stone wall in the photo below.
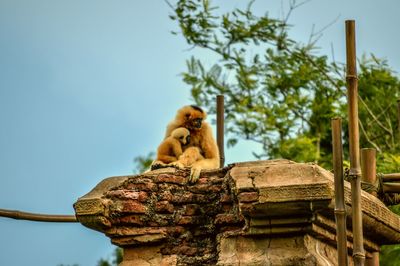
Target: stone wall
x,y
181,219
255,213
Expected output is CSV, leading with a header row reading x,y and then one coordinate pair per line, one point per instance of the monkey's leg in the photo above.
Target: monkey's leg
x,y
190,156
166,159
200,165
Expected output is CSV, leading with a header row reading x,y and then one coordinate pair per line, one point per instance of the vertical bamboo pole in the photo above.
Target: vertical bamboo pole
x,y
340,207
220,129
398,117
355,171
368,166
368,169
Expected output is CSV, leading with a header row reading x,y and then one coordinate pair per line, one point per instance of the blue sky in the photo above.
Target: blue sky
x,y
85,86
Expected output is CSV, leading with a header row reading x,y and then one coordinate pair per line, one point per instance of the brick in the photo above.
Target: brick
x,y
143,196
161,220
164,207
186,250
148,186
227,207
204,188
127,194
202,180
131,220
216,180
188,220
176,230
165,178
165,195
129,206
248,197
192,209
226,198
122,194
228,219
185,198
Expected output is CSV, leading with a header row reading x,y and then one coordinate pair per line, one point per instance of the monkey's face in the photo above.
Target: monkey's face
x,y
181,134
191,117
194,123
184,140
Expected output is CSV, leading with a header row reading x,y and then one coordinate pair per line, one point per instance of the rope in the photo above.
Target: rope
x,y
369,187
38,217
387,198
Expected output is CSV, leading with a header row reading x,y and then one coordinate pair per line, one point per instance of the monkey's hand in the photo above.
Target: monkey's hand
x,y
194,174
177,164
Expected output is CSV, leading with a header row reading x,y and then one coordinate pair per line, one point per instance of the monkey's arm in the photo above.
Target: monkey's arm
x,y
211,153
177,149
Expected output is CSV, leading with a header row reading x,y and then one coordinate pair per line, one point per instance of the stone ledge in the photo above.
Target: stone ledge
x,y
212,221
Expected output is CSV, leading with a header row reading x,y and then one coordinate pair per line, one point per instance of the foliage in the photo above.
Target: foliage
x,y
142,163
115,260
273,86
390,255
279,92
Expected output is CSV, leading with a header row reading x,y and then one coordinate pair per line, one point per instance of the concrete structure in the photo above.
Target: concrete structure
x,y
255,213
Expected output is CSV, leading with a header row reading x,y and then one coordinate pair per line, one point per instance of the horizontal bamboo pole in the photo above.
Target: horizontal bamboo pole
x,y
391,177
37,216
390,187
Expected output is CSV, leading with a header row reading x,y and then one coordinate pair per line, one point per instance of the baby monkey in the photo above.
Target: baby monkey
x,y
171,148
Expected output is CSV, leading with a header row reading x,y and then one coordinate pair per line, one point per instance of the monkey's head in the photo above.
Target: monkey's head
x,y
182,134
191,117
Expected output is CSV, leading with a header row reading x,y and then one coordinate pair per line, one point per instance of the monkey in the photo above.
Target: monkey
x,y
170,148
202,151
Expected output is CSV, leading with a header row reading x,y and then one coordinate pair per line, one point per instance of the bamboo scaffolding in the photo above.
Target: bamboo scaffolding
x,y
19,215
220,129
398,117
355,170
340,207
368,169
391,187
391,177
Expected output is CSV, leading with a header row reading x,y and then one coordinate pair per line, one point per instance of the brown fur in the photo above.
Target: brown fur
x,y
205,155
171,148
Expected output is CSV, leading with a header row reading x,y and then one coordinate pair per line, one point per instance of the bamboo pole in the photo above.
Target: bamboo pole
x,y
391,177
37,216
368,169
389,187
398,117
340,207
220,129
355,171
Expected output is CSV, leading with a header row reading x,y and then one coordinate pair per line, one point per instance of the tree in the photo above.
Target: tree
x,y
115,260
281,93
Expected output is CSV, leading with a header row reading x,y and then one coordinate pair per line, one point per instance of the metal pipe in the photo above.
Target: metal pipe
x,y
37,216
355,170
340,207
220,129
368,169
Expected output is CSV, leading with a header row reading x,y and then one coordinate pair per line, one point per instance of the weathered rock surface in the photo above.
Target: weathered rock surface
x,y
255,213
